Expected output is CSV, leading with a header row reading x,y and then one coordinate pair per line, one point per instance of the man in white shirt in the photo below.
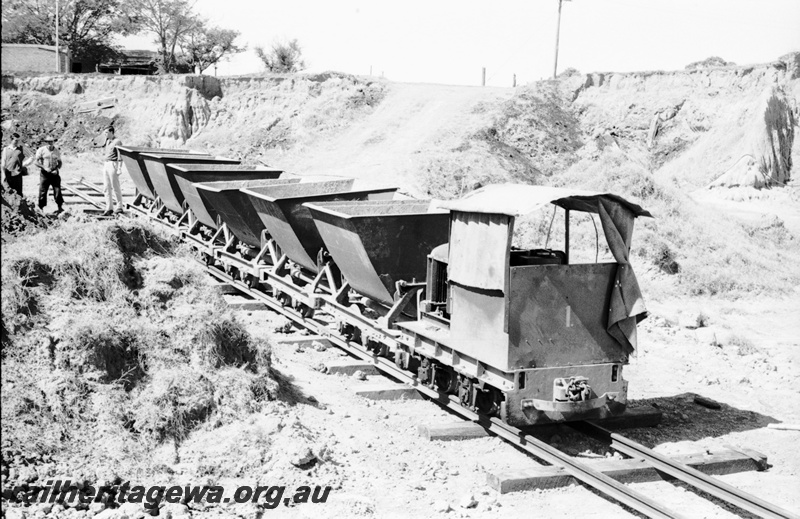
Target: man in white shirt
x,y
48,159
112,169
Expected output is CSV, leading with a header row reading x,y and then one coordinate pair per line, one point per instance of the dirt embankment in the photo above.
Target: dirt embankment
x,y
695,125
235,116
690,125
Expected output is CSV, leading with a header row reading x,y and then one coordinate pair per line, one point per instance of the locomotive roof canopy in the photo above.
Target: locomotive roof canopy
x,y
521,199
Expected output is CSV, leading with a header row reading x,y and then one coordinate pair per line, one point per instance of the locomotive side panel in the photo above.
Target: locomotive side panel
x,y
478,276
477,325
558,316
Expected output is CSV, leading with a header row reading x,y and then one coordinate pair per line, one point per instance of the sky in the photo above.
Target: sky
x,y
450,41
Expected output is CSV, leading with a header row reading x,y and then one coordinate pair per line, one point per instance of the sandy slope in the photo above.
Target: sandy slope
x,y
392,143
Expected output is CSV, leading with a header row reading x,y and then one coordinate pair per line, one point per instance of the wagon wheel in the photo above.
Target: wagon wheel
x,y
305,311
284,299
251,281
232,271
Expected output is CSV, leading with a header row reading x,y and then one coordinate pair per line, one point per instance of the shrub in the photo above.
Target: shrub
x,y
166,280
227,343
664,258
282,57
116,353
743,345
171,404
542,126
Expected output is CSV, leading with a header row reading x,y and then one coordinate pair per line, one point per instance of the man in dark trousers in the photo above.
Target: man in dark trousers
x,y
12,160
48,158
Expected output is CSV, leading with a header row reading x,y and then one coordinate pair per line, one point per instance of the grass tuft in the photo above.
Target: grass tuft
x,y
116,353
227,343
171,404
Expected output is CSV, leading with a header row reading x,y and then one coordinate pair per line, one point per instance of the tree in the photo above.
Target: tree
x,y
284,57
204,46
86,27
169,20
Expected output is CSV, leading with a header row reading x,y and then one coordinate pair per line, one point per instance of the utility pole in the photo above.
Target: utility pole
x,y
558,30
58,56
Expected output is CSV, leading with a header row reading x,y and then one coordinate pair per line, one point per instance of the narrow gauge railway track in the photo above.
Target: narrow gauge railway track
x,y
684,473
515,436
532,445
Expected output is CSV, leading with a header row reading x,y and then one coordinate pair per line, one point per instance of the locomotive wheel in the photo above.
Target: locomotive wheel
x,y
488,402
284,299
446,380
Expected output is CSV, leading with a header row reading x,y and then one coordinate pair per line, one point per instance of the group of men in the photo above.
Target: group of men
x,y
48,160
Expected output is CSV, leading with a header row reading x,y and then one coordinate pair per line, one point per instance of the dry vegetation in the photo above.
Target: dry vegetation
x,y
117,340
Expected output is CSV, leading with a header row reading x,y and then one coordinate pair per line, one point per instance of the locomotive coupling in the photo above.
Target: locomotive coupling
x,y
572,389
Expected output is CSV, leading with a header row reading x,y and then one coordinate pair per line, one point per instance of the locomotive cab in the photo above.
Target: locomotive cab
x,y
540,338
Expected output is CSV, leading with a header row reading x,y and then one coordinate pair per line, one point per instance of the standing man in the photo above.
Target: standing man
x,y
48,159
12,160
112,169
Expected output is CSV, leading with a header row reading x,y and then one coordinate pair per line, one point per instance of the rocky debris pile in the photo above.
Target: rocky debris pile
x,y
19,215
35,116
73,493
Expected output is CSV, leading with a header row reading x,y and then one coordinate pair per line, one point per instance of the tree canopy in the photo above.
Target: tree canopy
x,y
283,57
204,46
86,27
169,21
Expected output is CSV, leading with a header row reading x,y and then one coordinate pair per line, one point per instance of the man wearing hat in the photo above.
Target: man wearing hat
x,y
13,163
112,169
48,159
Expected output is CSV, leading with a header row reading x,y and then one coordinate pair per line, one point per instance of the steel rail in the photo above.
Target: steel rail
x,y
688,474
86,198
534,446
